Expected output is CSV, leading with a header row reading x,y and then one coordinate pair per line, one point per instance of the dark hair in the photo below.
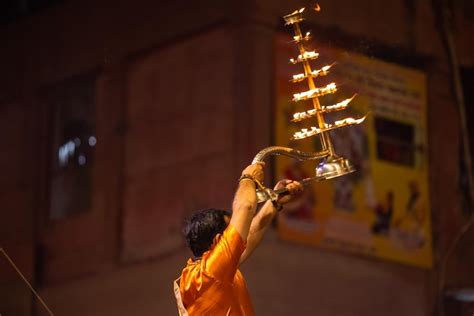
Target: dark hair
x,y
202,227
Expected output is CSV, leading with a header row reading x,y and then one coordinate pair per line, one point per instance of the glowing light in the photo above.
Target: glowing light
x,y
305,133
313,93
298,77
309,55
65,151
294,17
306,37
317,8
62,156
296,12
315,73
325,109
92,141
463,294
71,146
82,159
303,115
339,106
349,121
331,86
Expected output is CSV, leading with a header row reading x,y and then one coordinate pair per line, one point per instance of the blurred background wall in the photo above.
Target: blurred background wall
x,y
167,101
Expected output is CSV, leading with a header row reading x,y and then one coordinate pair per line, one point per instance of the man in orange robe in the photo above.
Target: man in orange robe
x,y
211,284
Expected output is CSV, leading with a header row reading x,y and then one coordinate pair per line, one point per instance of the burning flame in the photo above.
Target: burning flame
x,y
298,38
297,11
339,106
309,55
298,77
317,92
299,116
315,73
304,133
317,8
349,121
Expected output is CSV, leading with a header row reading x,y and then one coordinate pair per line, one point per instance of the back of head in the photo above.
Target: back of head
x,y
202,227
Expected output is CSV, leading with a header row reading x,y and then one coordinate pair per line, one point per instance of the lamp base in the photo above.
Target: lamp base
x,y
333,166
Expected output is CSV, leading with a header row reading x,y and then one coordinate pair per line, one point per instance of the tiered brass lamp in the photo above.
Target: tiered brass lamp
x,y
329,164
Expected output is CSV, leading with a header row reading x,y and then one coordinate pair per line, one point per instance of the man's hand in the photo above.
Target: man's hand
x,y
255,171
294,189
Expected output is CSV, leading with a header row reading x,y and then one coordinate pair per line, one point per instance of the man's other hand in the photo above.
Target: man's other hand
x,y
294,189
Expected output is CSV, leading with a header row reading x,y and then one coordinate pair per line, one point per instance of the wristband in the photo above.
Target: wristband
x,y
257,183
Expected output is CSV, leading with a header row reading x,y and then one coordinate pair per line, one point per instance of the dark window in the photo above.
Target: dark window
x,y
73,143
395,141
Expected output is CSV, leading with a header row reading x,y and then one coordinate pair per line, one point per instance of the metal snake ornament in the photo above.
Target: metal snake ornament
x,y
330,165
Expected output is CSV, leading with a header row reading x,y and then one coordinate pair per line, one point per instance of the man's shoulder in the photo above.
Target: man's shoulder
x,y
232,235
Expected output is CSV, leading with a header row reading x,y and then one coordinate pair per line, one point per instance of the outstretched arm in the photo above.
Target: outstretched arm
x,y
262,220
245,200
223,259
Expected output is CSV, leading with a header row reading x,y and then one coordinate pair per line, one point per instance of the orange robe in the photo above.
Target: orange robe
x,y
214,285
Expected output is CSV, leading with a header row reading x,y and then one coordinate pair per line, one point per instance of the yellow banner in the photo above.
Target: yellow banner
x,y
382,209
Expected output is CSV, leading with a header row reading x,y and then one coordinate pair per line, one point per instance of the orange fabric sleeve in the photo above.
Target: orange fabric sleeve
x,y
223,259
